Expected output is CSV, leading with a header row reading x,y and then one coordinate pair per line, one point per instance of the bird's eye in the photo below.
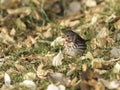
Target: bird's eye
x,y
68,35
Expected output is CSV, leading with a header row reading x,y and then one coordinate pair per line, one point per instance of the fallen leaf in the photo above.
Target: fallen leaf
x,y
29,76
110,84
84,67
7,79
5,36
37,2
98,42
73,81
74,23
99,86
41,73
35,14
30,41
91,3
117,24
4,4
94,19
54,87
100,72
117,36
103,33
73,67
29,84
89,55
115,52
20,24
19,67
57,41
1,61
48,33
57,60
22,10
13,32
116,68
61,87
97,63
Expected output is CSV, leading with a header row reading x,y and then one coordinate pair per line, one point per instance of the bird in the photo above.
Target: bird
x,y
73,44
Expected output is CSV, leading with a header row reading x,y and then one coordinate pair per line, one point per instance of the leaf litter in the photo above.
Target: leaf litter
x,y
31,45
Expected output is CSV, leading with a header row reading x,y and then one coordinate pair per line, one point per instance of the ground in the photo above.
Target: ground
x,y
30,40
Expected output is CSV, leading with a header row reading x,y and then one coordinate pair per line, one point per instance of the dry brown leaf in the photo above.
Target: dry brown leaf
x,y
20,68
103,33
2,61
36,15
84,67
41,73
97,63
5,36
73,67
99,86
42,28
64,23
19,45
92,83
25,2
100,72
101,42
89,55
94,19
110,41
48,33
22,10
29,76
4,4
4,87
30,41
115,52
30,57
13,32
11,71
117,24
74,23
97,52
73,81
20,24
37,2
93,43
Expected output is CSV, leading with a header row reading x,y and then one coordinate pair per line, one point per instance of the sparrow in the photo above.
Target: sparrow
x,y
73,43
